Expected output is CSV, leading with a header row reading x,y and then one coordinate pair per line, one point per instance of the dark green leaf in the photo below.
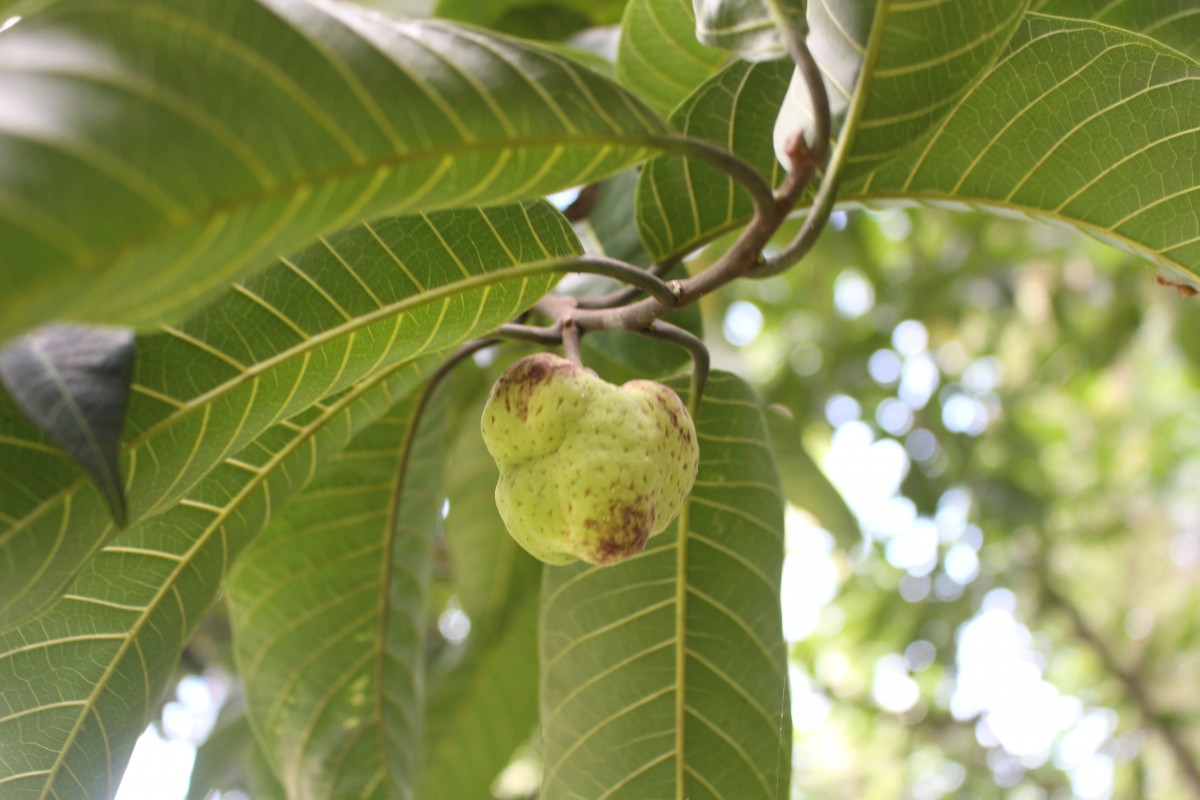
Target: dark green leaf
x,y
666,676
73,381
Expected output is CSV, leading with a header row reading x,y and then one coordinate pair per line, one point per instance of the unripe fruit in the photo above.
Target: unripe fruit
x,y
588,470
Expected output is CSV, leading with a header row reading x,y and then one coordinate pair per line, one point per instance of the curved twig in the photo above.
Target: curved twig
x,y
737,168
822,205
644,280
551,334
674,334
627,294
571,336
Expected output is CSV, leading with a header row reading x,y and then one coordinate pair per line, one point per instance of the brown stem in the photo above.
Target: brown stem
x,y
665,331
551,334
571,336
1132,683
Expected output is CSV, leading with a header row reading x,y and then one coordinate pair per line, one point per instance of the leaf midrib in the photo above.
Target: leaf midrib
x,y
319,180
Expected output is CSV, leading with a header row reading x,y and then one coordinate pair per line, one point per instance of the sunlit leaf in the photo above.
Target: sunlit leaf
x,y
1172,22
213,141
1028,141
930,54
681,203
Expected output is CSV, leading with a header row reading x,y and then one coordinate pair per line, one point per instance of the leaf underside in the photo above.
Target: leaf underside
x,y
665,676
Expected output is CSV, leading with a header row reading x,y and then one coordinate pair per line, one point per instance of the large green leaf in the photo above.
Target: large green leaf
x,y
658,56
1079,124
482,697
929,54
328,614
79,683
1172,22
153,152
308,327
918,76
666,676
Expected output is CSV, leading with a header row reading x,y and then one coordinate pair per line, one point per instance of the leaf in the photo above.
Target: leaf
x,y
106,651
918,77
482,697
72,381
1066,129
1173,22
327,608
488,12
666,675
349,115
930,54
483,705
747,27
310,326
680,203
805,485
613,221
658,56
491,572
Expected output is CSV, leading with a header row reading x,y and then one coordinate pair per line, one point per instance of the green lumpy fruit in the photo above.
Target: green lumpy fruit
x,y
588,470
